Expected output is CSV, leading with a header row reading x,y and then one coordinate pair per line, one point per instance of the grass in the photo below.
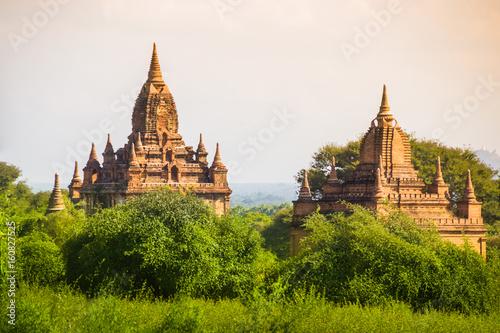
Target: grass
x,y
41,309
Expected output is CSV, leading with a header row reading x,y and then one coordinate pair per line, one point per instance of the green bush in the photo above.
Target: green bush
x,y
358,258
164,243
277,234
40,260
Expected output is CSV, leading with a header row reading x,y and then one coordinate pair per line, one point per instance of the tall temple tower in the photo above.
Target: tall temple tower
x,y
154,156
384,172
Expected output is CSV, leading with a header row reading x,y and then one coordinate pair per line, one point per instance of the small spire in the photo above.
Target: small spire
x,y
384,102
469,189
305,191
133,157
381,165
333,173
217,159
109,146
438,177
56,202
76,174
154,74
385,109
378,185
139,142
93,155
201,146
56,182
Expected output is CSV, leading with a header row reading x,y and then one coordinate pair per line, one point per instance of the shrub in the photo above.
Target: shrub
x,y
166,243
359,258
40,260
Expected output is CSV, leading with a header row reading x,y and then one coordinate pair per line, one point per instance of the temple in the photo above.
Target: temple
x,y
56,201
385,172
155,156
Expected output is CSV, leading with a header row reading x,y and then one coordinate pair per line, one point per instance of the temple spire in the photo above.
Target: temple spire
x,y
438,177
139,142
378,185
109,146
384,115
93,155
217,159
305,191
154,74
201,146
75,185
469,189
201,152
381,165
133,158
56,202
76,174
333,173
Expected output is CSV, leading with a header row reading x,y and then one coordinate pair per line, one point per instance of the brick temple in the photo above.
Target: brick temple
x,y
155,156
384,172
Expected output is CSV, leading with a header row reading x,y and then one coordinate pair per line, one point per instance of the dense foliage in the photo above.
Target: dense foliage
x,y
166,243
358,257
41,260
272,222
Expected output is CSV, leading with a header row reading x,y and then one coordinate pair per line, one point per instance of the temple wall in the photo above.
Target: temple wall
x,y
296,235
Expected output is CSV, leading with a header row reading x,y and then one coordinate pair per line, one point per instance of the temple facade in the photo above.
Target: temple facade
x,y
155,156
385,172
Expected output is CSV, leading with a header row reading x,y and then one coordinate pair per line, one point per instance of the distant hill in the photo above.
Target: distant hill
x,y
256,194
489,157
40,187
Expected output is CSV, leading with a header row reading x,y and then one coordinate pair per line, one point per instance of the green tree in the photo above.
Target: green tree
x,y
17,201
8,174
346,159
357,257
277,234
268,210
167,243
40,260
272,222
38,236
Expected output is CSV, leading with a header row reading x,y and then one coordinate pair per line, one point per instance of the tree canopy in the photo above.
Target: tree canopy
x,y
166,243
358,257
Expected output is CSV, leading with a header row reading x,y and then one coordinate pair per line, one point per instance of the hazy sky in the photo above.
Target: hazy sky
x,y
271,80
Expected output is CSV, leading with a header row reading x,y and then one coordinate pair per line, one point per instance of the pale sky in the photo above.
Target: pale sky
x,y
271,80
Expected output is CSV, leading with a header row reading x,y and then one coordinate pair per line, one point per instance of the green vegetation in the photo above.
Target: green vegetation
x,y
164,243
272,222
44,310
357,257
166,262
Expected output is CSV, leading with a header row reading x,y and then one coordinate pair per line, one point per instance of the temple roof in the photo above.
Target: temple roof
x,y
385,146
